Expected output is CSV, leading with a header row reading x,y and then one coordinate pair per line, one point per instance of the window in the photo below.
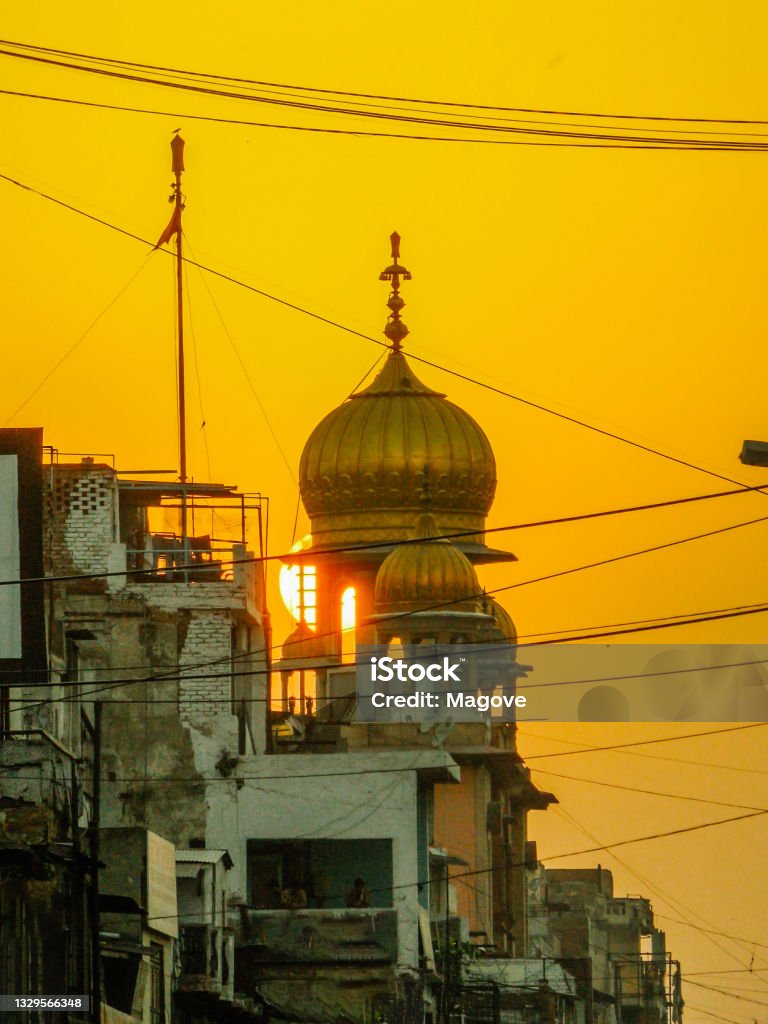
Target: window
x,y
298,587
348,617
296,873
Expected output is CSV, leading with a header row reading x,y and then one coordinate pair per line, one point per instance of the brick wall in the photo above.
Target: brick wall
x,y
208,639
81,517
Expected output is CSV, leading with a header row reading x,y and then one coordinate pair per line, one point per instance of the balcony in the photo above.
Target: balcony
x,y
207,959
37,775
327,936
184,533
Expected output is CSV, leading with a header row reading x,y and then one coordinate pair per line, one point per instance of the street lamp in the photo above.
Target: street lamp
x,y
754,453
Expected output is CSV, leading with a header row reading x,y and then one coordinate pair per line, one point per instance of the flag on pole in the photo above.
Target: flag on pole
x,y
174,225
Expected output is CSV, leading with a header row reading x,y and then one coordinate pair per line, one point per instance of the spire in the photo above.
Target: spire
x,y
395,329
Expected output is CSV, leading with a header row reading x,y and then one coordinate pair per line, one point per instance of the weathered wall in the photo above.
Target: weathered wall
x,y
460,827
82,519
298,797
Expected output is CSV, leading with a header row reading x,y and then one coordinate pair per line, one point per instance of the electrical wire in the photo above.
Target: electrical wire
x,y
638,753
681,146
244,368
730,970
312,104
62,359
725,935
724,992
649,792
716,1016
496,390
309,555
606,136
671,901
505,867
643,743
374,96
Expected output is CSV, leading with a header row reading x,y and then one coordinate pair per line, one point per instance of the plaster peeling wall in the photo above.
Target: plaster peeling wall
x,y
205,710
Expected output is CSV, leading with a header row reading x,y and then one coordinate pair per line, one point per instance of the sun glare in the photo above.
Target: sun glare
x,y
298,587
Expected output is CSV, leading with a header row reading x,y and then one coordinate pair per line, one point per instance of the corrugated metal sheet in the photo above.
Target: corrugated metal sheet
x,y
187,870
200,856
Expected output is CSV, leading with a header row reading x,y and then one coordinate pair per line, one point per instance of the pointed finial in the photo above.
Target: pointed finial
x,y
177,152
395,329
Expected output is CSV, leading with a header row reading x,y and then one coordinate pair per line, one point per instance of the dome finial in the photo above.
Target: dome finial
x,y
395,329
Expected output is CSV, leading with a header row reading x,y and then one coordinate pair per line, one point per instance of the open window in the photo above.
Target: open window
x,y
291,874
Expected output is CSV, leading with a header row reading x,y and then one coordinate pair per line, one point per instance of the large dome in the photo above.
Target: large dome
x,y
367,466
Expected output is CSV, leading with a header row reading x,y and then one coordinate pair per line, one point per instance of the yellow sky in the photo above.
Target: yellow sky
x,y
623,287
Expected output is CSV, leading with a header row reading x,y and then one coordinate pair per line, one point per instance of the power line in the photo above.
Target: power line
x,y
306,104
643,743
730,970
308,555
75,344
324,665
350,330
673,902
661,620
723,992
244,368
518,864
638,622
648,792
376,96
653,757
725,935
717,1016
362,133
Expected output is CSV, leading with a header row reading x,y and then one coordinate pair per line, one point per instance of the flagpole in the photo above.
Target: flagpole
x,y
177,165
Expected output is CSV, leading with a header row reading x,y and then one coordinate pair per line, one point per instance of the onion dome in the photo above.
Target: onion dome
x,y
300,648
426,573
365,466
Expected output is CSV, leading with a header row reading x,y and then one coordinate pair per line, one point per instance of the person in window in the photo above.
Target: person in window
x,y
358,895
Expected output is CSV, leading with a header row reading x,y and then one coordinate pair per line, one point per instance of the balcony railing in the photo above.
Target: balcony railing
x,y
320,936
207,960
42,780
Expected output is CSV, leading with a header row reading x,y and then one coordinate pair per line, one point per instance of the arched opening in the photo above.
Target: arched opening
x,y
348,618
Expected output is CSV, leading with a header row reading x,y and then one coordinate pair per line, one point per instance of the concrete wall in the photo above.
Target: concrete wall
x,y
337,796
460,827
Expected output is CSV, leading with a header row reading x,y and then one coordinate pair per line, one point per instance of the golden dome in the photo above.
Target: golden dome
x,y
418,576
367,465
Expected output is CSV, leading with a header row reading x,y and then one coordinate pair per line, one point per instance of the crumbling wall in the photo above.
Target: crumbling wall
x,y
81,520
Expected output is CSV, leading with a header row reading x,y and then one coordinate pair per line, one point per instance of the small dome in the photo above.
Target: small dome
x,y
300,646
503,621
366,465
419,576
